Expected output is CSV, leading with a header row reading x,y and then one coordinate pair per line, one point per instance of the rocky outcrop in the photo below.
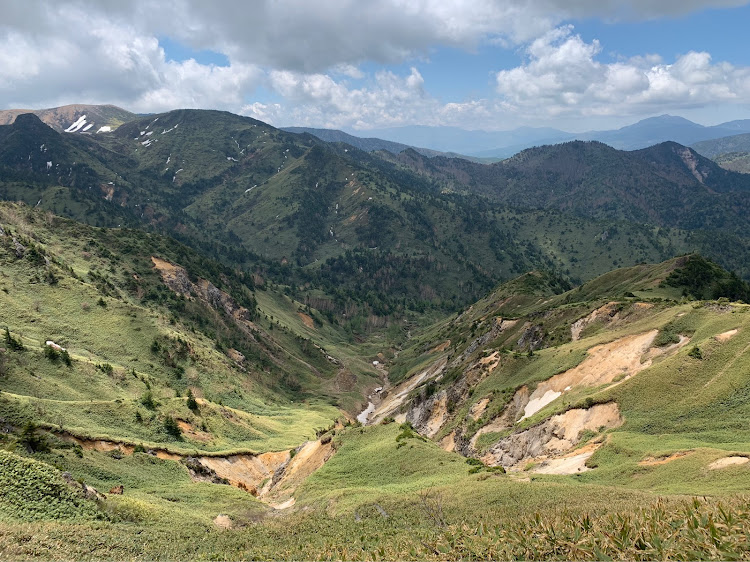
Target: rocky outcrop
x,y
178,280
553,437
606,313
532,337
83,489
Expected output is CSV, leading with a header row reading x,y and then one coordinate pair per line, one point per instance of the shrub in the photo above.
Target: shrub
x,y
148,401
192,404
172,428
33,441
12,343
51,353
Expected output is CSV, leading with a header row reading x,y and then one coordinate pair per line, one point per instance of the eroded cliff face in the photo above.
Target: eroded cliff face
x,y
178,280
554,437
552,443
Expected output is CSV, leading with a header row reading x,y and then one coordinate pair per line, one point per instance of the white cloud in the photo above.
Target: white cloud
x,y
311,55
320,100
563,76
75,56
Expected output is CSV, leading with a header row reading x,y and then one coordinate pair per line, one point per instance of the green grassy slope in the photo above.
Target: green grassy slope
x,y
128,336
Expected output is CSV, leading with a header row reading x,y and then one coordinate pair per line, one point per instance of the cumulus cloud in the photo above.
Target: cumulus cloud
x,y
72,55
320,100
563,76
310,55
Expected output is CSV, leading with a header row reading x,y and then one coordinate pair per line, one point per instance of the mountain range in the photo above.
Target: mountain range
x,y
502,144
224,340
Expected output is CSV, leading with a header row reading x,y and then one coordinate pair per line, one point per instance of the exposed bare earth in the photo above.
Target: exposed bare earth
x,y
572,463
269,476
728,461
726,336
223,521
608,311
604,363
657,461
396,396
306,320
554,437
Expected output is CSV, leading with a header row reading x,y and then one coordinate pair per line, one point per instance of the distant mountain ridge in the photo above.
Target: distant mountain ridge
x,y
723,145
503,144
371,144
75,118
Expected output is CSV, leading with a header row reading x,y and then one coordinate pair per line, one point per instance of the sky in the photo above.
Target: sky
x,y
358,65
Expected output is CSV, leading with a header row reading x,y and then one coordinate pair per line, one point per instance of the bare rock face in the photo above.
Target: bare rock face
x,y
83,489
532,337
19,248
555,436
117,490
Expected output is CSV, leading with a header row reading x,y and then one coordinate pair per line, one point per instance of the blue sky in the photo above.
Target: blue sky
x,y
576,65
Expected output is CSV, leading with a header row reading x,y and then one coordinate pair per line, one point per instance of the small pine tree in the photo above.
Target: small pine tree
x,y
192,404
171,427
12,343
148,400
33,441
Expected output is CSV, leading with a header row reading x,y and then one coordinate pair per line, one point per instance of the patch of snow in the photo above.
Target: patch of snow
x,y
105,129
143,133
87,127
49,165
80,122
149,133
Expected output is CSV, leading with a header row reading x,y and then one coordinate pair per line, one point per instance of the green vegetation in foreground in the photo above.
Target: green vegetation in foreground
x,y
423,504
31,491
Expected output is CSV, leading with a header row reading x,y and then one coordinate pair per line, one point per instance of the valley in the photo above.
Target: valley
x,y
222,340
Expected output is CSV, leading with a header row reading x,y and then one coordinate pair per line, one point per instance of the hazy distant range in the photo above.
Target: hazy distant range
x,y
502,144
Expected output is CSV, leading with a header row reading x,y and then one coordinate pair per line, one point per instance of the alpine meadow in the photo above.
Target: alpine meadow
x,y
292,281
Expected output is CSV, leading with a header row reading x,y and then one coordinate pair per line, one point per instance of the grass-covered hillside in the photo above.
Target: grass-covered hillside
x,y
627,380
145,323
366,237
207,413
